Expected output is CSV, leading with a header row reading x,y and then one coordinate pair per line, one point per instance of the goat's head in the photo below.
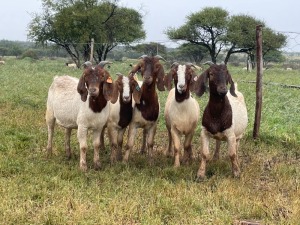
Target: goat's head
x,y
151,70
218,77
95,79
183,76
126,86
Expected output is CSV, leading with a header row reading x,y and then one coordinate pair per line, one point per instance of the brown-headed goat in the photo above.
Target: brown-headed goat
x,y
145,114
126,89
80,104
224,118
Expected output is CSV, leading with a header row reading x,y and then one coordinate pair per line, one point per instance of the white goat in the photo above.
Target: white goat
x,y
181,111
81,104
224,118
2,62
71,65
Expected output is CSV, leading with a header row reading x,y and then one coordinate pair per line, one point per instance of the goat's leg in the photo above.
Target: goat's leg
x,y
150,142
50,120
176,142
170,150
102,146
143,148
232,151
82,139
68,132
204,155
120,143
113,144
217,150
96,144
188,153
130,142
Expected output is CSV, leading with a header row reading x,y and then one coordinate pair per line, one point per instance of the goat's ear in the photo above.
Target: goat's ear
x,y
81,89
193,81
201,83
115,93
135,69
232,87
160,79
137,92
108,89
168,80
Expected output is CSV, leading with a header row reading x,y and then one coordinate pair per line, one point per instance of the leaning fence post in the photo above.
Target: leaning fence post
x,y
259,66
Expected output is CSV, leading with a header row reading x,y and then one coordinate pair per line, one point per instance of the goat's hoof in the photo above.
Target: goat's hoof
x,y
83,168
200,179
97,166
237,175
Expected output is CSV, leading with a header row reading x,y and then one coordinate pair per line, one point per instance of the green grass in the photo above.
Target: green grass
x,y
35,189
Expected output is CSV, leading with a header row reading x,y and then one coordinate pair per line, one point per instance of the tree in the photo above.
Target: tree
x,y
72,24
152,48
192,52
213,29
206,28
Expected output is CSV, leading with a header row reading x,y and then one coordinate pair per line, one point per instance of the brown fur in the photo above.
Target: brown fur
x,y
94,80
217,115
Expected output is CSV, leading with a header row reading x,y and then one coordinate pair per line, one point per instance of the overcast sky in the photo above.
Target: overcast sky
x,y
158,15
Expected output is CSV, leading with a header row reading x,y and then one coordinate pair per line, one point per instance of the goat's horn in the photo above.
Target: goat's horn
x,y
87,63
191,64
103,63
119,74
208,63
143,56
159,57
174,64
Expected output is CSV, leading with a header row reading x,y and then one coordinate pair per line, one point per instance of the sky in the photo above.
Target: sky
x,y
158,15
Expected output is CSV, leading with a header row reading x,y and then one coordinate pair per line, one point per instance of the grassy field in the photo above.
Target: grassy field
x,y
38,190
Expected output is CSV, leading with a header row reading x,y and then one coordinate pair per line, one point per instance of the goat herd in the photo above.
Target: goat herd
x,y
97,102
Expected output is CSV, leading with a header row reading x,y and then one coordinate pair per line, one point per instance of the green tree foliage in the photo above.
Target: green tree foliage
x,y
215,30
72,25
191,52
206,28
152,48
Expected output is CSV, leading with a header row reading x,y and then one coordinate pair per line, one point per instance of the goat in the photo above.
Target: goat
x,y
145,114
80,104
125,87
2,62
71,65
181,111
224,118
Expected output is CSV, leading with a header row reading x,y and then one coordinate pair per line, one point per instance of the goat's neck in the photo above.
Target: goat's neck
x,y
97,103
149,106
217,104
125,112
183,96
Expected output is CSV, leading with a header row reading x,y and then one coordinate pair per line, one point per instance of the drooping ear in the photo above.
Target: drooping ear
x,y
168,80
108,89
115,93
193,81
201,83
136,68
137,92
160,79
232,87
81,89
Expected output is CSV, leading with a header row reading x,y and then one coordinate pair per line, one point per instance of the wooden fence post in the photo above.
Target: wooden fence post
x,y
259,66
92,50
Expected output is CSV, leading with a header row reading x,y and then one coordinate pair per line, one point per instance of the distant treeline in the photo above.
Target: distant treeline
x,y
21,49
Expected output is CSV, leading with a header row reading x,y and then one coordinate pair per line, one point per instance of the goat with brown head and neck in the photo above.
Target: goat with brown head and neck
x,y
146,112
225,116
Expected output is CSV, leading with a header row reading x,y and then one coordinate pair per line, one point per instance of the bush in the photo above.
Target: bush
x,y
30,54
